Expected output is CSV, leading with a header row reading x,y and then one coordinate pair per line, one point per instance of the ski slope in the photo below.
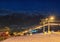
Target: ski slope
x,y
35,38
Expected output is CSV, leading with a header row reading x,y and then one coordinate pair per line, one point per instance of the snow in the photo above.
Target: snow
x,y
35,38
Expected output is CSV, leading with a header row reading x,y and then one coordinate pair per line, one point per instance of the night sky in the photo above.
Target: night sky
x,y
43,6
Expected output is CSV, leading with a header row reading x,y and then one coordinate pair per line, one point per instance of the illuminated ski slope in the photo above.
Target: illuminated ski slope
x,y
35,38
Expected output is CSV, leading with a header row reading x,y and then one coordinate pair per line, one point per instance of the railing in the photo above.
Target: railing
x,y
41,26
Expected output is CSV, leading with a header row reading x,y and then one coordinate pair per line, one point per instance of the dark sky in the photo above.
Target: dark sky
x,y
43,6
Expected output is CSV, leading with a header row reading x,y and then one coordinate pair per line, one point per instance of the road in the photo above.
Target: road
x,y
35,38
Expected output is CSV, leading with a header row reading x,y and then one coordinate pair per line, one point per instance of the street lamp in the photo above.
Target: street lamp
x,y
50,19
47,20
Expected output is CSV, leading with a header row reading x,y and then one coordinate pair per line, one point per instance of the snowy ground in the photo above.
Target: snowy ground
x,y
35,38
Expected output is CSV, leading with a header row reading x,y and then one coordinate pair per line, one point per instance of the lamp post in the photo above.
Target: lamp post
x,y
48,26
47,20
50,19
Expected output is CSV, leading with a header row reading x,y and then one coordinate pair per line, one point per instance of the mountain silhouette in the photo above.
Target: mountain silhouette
x,y
19,18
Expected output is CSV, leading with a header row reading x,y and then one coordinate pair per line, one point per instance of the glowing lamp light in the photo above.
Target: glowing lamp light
x,y
52,17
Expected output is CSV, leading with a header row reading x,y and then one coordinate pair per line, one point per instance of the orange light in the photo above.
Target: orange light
x,y
52,17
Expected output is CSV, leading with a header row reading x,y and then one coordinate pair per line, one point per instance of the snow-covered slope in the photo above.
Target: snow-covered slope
x,y
35,38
